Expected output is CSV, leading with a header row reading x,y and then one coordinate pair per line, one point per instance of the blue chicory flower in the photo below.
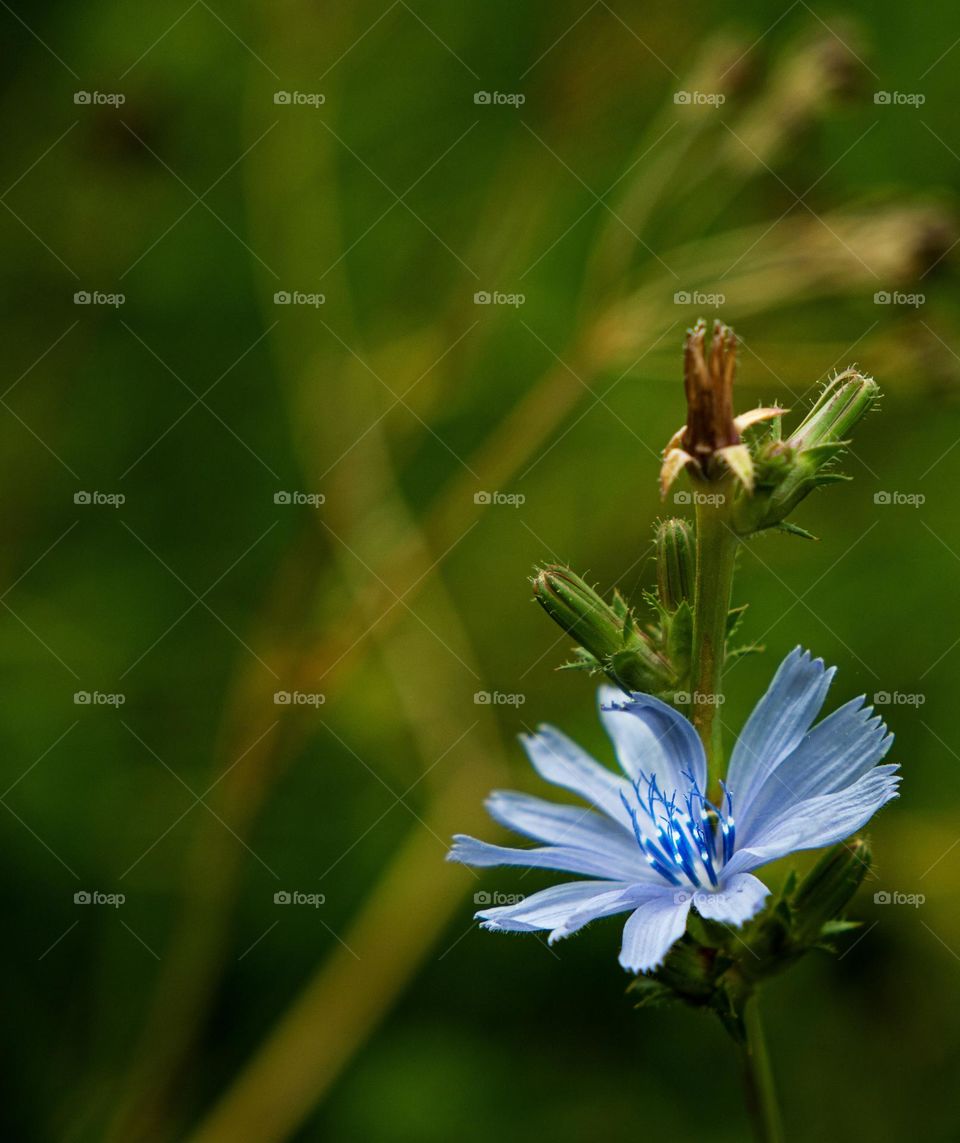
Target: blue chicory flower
x,y
653,845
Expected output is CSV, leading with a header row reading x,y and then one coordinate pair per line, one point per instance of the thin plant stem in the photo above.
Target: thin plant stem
x,y
761,1096
716,555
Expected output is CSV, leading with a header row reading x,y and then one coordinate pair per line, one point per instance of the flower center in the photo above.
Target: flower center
x,y
686,842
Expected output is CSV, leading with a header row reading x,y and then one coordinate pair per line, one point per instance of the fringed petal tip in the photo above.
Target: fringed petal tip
x,y
494,926
736,903
526,737
463,849
613,699
517,928
652,929
801,658
643,968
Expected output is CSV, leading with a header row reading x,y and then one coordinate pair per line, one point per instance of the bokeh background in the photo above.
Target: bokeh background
x,y
201,1008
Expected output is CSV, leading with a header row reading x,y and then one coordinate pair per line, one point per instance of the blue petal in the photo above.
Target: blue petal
x,y
653,928
815,822
470,851
778,723
561,825
560,760
547,909
620,899
835,753
741,898
651,737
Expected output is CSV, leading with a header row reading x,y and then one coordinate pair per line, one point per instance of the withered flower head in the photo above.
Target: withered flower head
x,y
710,440
709,387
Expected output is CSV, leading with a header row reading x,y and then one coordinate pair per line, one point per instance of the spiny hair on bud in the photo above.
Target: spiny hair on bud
x,y
541,571
851,373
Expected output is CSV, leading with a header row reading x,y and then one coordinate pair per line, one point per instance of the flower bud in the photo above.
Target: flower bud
x,y
676,563
579,610
843,402
608,633
825,891
787,471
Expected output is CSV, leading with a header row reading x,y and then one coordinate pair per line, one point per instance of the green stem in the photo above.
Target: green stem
x,y
716,553
761,1096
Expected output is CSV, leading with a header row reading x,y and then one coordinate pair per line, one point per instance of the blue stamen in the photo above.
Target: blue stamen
x,y
701,832
652,854
711,842
678,843
730,831
682,854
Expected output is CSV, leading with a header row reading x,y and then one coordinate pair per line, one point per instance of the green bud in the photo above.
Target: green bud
x,y
841,405
676,563
825,891
608,634
787,471
579,610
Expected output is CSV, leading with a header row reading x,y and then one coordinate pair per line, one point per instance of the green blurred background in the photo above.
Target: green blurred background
x,y
200,1008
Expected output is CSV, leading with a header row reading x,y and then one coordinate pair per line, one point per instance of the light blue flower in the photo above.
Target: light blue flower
x,y
652,844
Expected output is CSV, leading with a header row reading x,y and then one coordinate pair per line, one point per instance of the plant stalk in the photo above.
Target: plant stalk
x,y
716,554
761,1096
